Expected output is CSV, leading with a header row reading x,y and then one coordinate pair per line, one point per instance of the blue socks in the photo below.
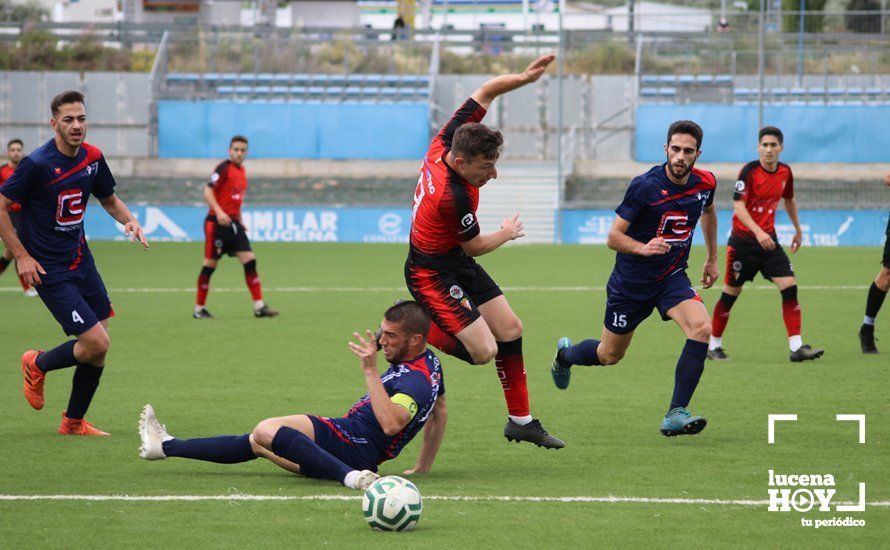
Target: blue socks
x,y
689,370
83,387
582,353
60,357
313,460
225,449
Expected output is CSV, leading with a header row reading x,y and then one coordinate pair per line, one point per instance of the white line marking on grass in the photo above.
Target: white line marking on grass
x,y
334,289
454,498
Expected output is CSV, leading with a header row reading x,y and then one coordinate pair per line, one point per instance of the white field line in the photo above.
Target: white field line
x,y
335,289
453,498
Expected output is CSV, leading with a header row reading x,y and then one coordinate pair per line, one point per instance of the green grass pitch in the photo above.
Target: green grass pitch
x,y
221,376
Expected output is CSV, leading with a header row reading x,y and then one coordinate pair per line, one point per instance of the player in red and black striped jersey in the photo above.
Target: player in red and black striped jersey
x,y
753,246
223,231
14,154
471,317
876,294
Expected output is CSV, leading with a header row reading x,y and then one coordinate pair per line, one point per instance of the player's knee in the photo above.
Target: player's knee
x,y
700,331
882,281
485,354
512,330
265,432
96,346
610,357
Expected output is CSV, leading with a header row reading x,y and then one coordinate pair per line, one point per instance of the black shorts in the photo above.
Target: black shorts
x,y
744,259
886,259
224,239
450,288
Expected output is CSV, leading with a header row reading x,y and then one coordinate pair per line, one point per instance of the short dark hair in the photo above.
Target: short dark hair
x,y
474,139
413,317
771,131
13,142
64,98
240,138
686,127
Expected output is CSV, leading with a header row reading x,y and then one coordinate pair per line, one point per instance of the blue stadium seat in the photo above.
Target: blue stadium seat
x,y
667,92
686,79
779,92
648,79
835,92
183,77
854,91
210,77
649,92
798,92
228,77
744,92
723,79
225,90
243,89
704,79
816,90
280,90
355,78
262,90
298,90
667,79
354,90
389,91
872,92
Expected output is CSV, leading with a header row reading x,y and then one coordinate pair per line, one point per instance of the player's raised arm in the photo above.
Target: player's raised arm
x,y
433,433
118,210
509,82
391,417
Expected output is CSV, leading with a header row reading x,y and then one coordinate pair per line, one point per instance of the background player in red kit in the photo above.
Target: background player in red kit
x,y
223,231
876,294
753,245
471,317
53,184
14,153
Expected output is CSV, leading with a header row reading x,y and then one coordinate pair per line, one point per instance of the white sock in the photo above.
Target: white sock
x,y
794,342
716,342
198,308
868,321
258,304
351,478
521,420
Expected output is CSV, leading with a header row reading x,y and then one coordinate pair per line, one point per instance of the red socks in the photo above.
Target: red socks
x,y
511,372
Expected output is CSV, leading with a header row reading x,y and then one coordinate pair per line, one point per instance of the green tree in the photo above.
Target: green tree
x,y
29,11
863,22
814,19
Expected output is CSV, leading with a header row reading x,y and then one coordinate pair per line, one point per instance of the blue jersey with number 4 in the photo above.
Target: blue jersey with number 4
x,y
657,207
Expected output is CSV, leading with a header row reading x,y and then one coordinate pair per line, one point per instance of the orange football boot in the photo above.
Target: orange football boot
x,y
73,426
34,379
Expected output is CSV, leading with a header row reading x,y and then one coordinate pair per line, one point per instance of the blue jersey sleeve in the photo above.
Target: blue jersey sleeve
x,y
633,203
19,185
103,186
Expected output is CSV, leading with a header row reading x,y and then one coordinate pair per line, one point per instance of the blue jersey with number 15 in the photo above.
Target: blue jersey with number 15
x,y
657,207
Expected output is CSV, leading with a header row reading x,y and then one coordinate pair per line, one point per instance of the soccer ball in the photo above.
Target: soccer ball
x,y
392,503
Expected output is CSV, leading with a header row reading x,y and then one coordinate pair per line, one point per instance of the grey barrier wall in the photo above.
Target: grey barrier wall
x,y
117,108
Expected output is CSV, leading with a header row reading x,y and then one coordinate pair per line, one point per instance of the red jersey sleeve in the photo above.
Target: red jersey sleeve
x,y
456,209
218,176
788,193
470,111
744,183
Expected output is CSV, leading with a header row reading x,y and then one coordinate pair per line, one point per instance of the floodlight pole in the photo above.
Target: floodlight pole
x,y
559,108
760,68
803,8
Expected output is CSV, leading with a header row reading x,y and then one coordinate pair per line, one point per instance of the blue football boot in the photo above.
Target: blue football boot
x,y
678,421
560,371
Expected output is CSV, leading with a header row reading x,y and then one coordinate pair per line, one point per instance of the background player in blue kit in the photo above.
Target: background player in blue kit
x,y
409,396
652,235
53,184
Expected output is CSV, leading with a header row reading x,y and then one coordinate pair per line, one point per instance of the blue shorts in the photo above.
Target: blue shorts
x,y
77,299
344,439
624,313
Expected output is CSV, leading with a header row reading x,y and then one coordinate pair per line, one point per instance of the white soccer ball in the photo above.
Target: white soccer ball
x,y
392,503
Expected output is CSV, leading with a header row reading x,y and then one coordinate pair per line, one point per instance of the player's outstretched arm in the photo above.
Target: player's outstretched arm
x,y
508,82
433,433
709,230
619,241
742,214
391,417
29,268
511,229
118,210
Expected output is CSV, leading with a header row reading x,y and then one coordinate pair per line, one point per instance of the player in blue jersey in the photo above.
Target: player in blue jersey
x,y
53,184
409,396
652,235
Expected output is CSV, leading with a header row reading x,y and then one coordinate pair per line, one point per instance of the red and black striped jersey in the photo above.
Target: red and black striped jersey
x,y
761,191
229,184
444,213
